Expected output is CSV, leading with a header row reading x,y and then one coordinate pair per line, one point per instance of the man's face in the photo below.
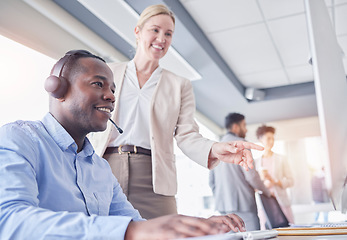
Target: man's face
x,y
88,104
242,129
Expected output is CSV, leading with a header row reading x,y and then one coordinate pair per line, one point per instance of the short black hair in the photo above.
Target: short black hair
x,y
233,118
73,66
69,59
71,63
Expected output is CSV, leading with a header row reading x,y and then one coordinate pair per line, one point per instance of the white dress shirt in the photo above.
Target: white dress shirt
x,y
134,108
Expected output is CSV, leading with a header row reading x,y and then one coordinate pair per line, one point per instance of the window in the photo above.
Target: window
x,y
22,73
194,196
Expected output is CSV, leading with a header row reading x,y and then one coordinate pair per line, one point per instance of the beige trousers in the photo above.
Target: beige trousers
x,y
134,174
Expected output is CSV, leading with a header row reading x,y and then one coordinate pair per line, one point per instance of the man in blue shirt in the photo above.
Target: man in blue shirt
x,y
53,186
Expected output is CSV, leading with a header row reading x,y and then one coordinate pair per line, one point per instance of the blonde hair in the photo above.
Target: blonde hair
x,y
152,11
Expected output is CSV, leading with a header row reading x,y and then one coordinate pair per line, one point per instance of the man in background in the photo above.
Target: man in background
x,y
234,188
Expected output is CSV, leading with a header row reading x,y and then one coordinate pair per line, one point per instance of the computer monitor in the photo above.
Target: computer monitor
x,y
331,93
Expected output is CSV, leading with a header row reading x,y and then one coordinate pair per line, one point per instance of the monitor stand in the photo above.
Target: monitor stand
x,y
344,197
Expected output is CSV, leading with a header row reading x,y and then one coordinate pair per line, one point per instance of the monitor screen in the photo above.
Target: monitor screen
x,y
331,93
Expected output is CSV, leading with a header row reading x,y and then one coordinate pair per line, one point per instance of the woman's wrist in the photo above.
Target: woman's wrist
x,y
212,160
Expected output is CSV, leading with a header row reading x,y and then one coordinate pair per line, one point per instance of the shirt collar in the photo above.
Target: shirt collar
x,y
88,150
63,138
231,133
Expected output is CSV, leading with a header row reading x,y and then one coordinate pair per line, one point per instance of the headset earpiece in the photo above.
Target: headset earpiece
x,y
56,86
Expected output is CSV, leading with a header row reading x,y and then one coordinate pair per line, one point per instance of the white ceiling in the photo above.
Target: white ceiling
x,y
264,42
230,45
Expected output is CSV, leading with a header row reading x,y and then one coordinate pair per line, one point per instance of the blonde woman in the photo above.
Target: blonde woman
x,y
153,106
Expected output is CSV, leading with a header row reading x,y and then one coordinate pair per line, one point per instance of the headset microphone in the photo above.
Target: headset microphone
x,y
118,128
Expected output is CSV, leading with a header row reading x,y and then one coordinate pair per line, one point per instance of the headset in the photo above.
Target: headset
x,y
55,84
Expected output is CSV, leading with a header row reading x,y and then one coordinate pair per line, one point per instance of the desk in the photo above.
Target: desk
x,y
336,231
321,237
229,237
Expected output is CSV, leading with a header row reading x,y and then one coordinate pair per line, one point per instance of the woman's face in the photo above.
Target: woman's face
x,y
154,38
268,140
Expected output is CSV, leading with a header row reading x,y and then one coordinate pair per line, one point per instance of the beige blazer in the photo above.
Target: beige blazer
x,y
172,115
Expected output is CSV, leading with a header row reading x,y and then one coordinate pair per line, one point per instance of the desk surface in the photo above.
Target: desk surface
x,y
321,237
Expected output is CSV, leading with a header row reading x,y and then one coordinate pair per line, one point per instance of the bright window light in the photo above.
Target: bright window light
x,y
22,73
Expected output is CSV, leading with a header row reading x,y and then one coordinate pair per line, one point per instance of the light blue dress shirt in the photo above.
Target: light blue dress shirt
x,y
49,191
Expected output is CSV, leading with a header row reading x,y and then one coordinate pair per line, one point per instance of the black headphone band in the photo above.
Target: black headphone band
x,y
58,68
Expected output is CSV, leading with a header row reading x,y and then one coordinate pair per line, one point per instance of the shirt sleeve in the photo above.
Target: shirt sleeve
x,y
20,214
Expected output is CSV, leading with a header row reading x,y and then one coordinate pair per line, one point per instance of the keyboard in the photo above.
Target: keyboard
x,y
250,235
